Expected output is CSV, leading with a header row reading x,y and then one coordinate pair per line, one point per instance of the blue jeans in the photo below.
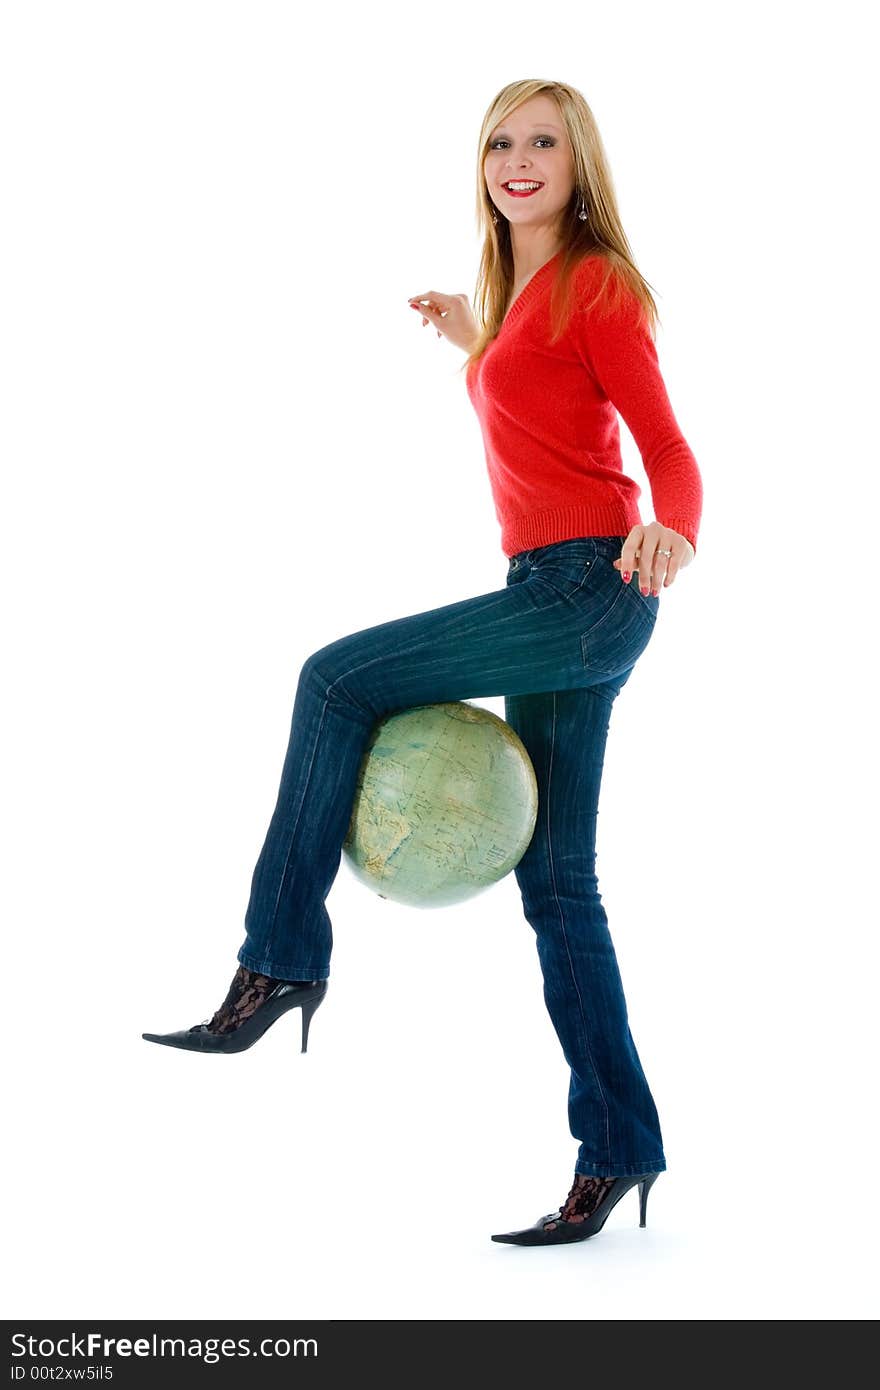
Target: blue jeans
x,y
559,641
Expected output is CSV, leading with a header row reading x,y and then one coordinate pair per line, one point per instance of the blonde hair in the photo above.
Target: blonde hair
x,y
600,235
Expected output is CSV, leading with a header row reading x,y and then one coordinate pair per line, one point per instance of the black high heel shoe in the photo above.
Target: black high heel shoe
x,y
564,1232
286,994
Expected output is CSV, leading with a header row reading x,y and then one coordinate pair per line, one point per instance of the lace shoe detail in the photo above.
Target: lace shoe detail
x,y
246,993
585,1195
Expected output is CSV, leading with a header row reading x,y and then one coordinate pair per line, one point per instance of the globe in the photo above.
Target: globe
x,y
445,805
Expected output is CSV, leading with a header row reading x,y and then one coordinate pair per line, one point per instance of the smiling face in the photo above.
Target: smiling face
x,y
530,146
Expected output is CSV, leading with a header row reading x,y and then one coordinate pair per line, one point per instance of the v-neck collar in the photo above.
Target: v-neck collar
x,y
522,298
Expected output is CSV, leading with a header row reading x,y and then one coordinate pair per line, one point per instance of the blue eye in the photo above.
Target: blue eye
x,y
547,139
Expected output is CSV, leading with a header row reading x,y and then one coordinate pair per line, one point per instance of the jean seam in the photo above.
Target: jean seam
x,y
421,642
586,1166
585,647
290,972
584,1032
302,801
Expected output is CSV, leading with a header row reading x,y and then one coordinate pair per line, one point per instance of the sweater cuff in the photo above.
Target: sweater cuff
x,y
684,528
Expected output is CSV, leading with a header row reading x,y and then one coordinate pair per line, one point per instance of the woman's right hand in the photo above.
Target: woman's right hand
x,y
451,315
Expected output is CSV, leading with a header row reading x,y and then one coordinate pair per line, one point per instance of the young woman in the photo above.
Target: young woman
x,y
563,343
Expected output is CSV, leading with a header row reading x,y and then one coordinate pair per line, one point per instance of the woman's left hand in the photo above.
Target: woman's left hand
x,y
639,556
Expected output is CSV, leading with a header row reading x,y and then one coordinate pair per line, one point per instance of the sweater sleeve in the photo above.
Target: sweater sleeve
x,y
618,350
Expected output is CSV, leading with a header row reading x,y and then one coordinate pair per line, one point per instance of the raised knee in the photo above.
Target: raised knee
x,y
332,671
322,668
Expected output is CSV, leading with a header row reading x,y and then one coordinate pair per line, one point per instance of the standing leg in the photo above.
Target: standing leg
x,y
611,1110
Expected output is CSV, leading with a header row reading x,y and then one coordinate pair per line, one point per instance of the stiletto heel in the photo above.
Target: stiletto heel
x,y
287,994
563,1232
644,1189
307,1010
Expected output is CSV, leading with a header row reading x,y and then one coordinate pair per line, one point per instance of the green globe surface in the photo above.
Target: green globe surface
x,y
445,805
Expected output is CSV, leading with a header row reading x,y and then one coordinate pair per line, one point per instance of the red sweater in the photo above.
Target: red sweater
x,y
550,426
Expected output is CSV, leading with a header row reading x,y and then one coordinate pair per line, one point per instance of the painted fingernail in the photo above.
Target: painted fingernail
x,y
643,590
626,576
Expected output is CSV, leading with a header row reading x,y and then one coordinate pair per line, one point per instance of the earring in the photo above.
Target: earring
x,y
494,217
583,212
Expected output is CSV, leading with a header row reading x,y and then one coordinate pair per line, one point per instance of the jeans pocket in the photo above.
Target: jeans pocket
x,y
617,640
564,567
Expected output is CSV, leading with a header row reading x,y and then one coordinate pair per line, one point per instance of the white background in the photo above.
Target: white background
x,y
227,440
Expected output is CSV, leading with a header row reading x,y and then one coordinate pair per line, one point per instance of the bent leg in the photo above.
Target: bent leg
x,y
519,638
